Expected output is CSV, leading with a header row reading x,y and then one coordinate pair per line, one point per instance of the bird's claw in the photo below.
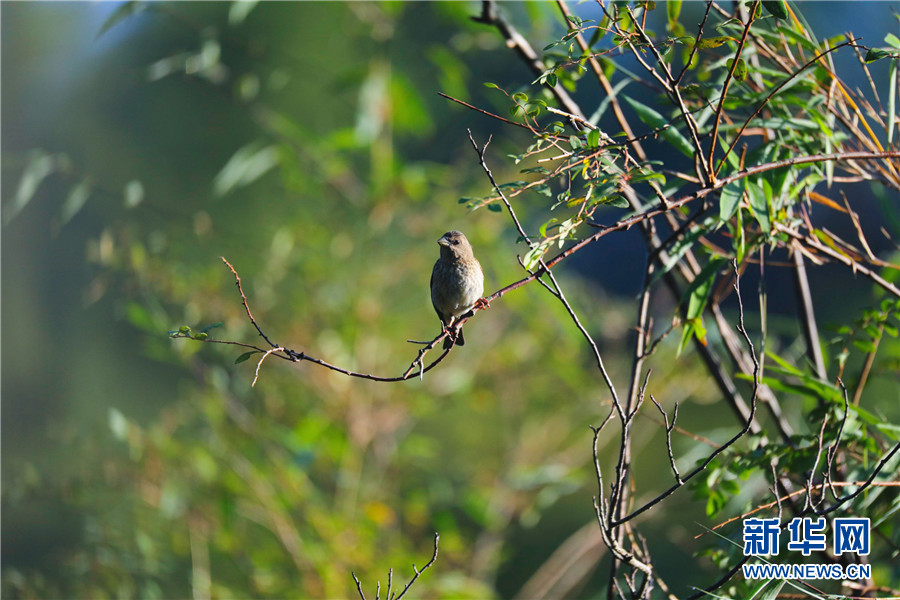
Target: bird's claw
x,y
482,304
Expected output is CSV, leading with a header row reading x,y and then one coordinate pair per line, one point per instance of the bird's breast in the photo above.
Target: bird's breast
x,y
457,287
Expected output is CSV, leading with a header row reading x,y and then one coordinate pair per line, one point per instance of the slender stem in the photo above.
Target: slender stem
x,y
808,316
714,138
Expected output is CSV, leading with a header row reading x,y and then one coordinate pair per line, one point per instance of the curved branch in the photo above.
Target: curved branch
x,y
287,354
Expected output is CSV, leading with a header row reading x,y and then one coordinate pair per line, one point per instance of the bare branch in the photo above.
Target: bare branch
x,y
423,569
669,429
730,442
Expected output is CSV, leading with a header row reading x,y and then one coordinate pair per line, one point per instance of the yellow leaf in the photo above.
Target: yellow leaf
x,y
817,197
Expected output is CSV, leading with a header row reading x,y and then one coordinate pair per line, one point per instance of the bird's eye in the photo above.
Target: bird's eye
x,y
455,242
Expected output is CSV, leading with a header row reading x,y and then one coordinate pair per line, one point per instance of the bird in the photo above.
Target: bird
x,y
457,283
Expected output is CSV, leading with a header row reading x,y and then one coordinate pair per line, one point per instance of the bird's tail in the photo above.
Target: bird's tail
x,y
455,333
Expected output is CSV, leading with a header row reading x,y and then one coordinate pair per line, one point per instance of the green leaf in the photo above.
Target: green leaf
x,y
593,138
693,328
533,256
740,71
714,42
697,295
656,121
491,85
678,249
238,11
243,357
75,201
892,100
543,189
134,193
892,40
788,367
699,290
781,123
773,591
40,165
543,229
729,200
494,207
616,201
876,54
538,169
776,8
673,10
639,176
867,346
759,207
118,424
247,165
575,142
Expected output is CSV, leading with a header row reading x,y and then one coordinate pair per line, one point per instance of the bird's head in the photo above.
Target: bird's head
x,y
455,246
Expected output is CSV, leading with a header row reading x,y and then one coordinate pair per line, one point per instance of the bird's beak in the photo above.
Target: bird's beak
x,y
444,241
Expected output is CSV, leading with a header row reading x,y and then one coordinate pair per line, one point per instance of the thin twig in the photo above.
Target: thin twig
x,y
693,53
714,138
358,586
669,429
832,451
545,269
237,281
418,572
259,364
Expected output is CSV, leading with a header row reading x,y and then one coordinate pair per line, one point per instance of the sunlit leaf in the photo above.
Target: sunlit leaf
x,y
673,10
740,71
714,42
892,100
239,9
75,201
759,206
826,201
39,166
729,200
118,424
134,193
246,166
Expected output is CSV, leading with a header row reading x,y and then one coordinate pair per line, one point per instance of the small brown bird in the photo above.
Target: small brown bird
x,y
457,283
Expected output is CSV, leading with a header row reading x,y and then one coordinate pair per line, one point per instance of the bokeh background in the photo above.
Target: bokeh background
x,y
306,143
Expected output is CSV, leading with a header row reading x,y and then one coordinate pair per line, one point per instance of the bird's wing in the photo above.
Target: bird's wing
x,y
431,287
